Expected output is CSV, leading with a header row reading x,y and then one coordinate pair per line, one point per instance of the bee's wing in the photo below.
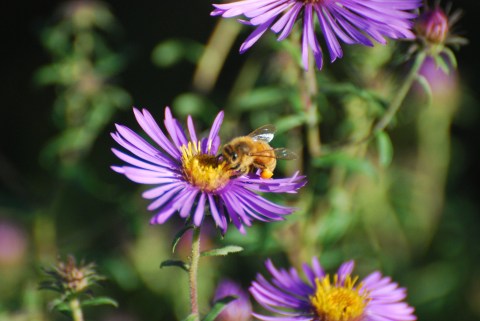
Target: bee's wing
x,y
264,133
284,153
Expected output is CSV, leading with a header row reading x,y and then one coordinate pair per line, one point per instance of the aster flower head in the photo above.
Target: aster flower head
x,y
188,177
238,310
321,297
350,21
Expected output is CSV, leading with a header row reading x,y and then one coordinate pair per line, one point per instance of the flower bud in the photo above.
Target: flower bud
x,y
433,26
70,278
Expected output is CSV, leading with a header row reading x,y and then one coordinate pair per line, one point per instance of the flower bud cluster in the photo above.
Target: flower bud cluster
x,y
69,278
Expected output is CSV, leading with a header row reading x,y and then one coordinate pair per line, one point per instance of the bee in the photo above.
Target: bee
x,y
253,151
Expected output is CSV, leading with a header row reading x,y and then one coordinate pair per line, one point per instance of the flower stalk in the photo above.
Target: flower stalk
x,y
193,271
401,94
77,313
309,93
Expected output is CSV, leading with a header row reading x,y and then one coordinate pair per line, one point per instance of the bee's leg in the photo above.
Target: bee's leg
x,y
259,165
266,174
238,170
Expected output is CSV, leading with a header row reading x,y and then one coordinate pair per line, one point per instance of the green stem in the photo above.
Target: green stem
x,y
76,310
311,109
193,271
401,94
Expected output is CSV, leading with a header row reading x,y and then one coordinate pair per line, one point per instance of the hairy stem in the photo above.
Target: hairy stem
x,y
76,310
401,94
192,271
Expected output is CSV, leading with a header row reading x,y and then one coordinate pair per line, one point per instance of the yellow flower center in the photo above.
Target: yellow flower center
x,y
203,170
333,302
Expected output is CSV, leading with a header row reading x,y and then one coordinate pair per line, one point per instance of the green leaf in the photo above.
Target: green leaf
x,y
49,285
218,307
286,123
442,64
179,236
451,57
223,251
344,89
260,98
385,149
191,317
423,82
60,305
349,162
100,301
176,263
172,51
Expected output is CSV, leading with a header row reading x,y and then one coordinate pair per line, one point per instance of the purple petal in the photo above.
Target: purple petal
x,y
200,211
214,132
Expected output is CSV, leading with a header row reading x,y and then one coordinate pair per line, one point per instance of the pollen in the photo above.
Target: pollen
x,y
334,301
204,171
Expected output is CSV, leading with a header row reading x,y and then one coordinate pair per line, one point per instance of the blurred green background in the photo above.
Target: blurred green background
x,y
73,69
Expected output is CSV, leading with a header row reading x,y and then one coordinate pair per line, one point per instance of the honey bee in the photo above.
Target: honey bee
x,y
253,151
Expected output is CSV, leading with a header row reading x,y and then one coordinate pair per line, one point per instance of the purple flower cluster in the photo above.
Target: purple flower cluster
x,y
351,21
187,176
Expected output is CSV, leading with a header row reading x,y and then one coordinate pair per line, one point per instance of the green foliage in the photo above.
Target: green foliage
x,y
175,263
218,307
348,162
229,249
99,301
179,235
385,149
173,51
82,70
191,317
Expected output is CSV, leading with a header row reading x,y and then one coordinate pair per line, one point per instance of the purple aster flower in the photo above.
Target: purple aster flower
x,y
324,298
238,310
351,21
187,175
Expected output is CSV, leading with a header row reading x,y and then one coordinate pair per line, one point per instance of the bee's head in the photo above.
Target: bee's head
x,y
230,154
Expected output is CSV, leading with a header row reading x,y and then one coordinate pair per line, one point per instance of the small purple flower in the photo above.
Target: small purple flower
x,y
337,298
188,176
238,310
351,21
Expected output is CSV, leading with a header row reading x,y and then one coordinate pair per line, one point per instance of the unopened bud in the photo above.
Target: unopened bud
x,y
433,26
70,278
